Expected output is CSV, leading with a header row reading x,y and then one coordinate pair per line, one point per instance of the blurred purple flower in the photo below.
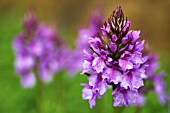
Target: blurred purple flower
x,y
37,51
156,79
116,60
96,21
159,87
168,98
28,80
75,56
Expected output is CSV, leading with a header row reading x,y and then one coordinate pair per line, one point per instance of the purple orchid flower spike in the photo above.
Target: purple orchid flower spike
x,y
36,50
116,60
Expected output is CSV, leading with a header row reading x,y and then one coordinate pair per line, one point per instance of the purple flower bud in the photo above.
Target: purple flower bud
x,y
105,29
113,47
127,26
114,38
124,40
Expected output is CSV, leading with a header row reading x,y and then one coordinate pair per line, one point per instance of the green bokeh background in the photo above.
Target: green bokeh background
x,y
63,95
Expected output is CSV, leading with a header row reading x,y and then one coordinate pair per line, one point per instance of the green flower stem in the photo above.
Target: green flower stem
x,y
60,92
39,95
99,106
169,106
138,109
118,109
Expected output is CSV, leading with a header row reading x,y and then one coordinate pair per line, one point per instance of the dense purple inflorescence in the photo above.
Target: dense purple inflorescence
x,y
117,60
37,51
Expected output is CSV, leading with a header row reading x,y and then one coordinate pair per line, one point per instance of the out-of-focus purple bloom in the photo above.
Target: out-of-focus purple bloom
x,y
24,62
160,87
96,22
37,51
153,64
117,60
168,98
156,79
75,56
30,22
28,80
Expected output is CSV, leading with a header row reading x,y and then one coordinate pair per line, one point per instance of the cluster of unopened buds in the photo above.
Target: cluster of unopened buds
x,y
116,60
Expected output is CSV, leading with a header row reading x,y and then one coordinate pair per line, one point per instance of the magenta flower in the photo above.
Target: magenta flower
x,y
115,60
36,51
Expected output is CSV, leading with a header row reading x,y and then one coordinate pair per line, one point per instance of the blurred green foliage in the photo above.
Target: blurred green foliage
x,y
63,95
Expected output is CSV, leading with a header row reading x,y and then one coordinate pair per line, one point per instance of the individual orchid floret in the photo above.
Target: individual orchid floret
x,y
115,60
36,51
